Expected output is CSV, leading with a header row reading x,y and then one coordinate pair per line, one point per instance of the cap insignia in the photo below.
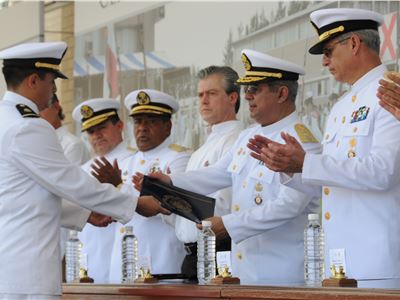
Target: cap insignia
x,y
142,98
86,111
246,62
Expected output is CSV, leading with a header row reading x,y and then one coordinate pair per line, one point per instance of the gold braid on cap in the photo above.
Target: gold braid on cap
x,y
328,33
46,65
150,109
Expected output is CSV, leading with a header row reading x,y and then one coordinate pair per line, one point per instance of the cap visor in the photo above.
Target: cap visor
x,y
61,75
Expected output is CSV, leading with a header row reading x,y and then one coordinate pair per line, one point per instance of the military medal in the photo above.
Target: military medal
x,y
258,200
352,143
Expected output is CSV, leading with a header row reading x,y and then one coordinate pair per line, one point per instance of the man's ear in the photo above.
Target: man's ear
x,y
32,80
283,94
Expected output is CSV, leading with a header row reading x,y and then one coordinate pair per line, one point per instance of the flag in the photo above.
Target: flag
x,y
110,78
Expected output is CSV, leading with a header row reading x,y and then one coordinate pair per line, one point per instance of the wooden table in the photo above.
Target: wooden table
x,y
196,292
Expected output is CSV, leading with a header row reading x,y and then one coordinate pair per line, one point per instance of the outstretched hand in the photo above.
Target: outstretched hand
x,y
288,157
99,220
137,179
105,172
149,206
389,93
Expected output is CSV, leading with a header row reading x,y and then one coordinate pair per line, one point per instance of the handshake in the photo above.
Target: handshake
x,y
104,172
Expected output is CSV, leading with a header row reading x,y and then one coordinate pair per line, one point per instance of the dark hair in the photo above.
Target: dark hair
x,y
15,75
292,86
230,77
114,119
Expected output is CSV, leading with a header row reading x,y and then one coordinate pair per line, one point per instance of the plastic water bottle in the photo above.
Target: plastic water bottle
x,y
313,252
72,257
129,256
206,254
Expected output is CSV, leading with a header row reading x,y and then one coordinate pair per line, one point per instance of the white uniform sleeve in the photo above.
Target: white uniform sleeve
x,y
45,163
73,216
207,180
378,171
76,152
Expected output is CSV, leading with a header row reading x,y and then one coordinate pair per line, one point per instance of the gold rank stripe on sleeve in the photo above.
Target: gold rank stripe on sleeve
x,y
305,134
26,112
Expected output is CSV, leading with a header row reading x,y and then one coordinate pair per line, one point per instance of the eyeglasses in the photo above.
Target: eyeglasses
x,y
250,89
327,52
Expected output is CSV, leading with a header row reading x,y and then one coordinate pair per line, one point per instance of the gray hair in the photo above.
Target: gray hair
x,y
369,37
292,86
229,76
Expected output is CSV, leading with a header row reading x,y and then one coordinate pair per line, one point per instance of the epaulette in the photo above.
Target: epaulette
x,y
305,134
132,149
26,111
177,148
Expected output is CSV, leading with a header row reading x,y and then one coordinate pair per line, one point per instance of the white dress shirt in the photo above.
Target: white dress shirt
x,y
218,142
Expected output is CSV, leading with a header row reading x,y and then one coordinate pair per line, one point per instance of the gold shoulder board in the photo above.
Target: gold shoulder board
x,y
26,111
305,134
132,150
177,148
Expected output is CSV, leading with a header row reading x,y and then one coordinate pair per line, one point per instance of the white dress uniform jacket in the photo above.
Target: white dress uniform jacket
x,y
156,239
34,176
77,153
218,143
360,173
267,220
97,241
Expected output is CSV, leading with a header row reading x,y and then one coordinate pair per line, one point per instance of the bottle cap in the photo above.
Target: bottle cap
x,y
206,223
313,217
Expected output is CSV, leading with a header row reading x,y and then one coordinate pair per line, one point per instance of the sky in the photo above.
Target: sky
x,y
195,33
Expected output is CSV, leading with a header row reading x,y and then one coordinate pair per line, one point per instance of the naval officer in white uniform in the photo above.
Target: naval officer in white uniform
x,y
151,112
35,176
100,120
359,169
267,219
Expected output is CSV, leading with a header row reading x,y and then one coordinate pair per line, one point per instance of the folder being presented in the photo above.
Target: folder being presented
x,y
192,206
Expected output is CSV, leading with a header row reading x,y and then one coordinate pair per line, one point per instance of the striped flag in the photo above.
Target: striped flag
x,y
110,78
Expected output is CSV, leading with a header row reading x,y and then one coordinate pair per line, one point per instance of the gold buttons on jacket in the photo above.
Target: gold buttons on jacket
x,y
239,255
260,174
236,207
327,216
142,161
258,187
353,98
326,191
234,167
122,230
343,119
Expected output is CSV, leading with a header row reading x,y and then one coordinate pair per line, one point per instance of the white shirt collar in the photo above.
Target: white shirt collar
x,y
19,99
223,127
278,126
154,151
368,77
